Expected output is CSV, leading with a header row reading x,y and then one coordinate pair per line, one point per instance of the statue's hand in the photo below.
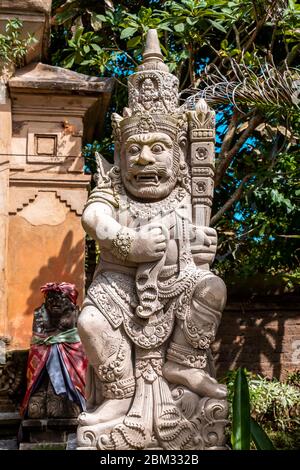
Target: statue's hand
x,y
149,244
203,244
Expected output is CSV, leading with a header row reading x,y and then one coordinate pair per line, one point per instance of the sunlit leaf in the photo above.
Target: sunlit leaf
x,y
69,61
133,42
96,47
96,21
127,32
179,28
260,438
217,25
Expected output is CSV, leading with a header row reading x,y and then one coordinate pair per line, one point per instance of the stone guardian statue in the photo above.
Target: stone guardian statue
x,y
153,308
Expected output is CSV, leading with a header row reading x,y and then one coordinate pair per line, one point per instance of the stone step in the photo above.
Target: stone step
x,y
49,431
9,424
42,446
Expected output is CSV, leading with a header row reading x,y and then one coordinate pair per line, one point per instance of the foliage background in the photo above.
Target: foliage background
x,y
275,406
242,56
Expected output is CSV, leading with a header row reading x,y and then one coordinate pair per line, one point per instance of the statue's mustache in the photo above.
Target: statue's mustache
x,y
159,170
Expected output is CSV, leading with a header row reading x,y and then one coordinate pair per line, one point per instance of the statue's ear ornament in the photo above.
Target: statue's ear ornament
x,y
103,168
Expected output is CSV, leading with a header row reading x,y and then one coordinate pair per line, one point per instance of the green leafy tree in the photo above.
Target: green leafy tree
x,y
242,57
13,46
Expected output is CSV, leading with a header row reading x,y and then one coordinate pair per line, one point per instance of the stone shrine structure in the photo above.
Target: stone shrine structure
x,y
153,308
46,114
51,110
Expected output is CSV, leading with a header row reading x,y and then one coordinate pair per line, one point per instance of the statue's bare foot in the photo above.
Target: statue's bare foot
x,y
107,411
195,380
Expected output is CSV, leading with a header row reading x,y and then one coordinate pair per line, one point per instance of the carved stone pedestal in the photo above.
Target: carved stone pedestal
x,y
208,418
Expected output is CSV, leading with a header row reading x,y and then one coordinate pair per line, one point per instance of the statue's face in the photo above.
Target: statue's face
x,y
57,304
147,164
147,86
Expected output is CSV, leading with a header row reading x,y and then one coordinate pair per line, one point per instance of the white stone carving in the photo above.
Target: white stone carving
x,y
153,308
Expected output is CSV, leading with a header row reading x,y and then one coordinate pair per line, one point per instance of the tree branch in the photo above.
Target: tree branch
x,y
118,48
235,197
229,134
259,25
228,156
186,75
191,66
273,154
255,33
237,36
273,37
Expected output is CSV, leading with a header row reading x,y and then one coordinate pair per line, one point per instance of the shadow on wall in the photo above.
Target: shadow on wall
x,y
262,336
66,266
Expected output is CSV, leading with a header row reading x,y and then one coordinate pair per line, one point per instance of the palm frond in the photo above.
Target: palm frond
x,y
264,87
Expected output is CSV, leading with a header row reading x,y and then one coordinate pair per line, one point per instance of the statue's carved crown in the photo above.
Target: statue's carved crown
x,y
152,98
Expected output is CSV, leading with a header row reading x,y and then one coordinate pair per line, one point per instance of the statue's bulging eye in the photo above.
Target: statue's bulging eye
x,y
134,150
157,148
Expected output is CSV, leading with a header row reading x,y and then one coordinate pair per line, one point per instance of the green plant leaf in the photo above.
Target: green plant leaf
x,y
101,18
259,437
96,47
96,21
240,436
224,44
85,62
69,61
127,32
78,33
217,25
164,27
179,28
191,21
133,42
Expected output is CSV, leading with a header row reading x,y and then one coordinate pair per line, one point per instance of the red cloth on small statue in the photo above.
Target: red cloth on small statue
x,y
75,361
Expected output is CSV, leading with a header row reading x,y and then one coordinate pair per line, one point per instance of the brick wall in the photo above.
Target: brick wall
x,y
262,335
